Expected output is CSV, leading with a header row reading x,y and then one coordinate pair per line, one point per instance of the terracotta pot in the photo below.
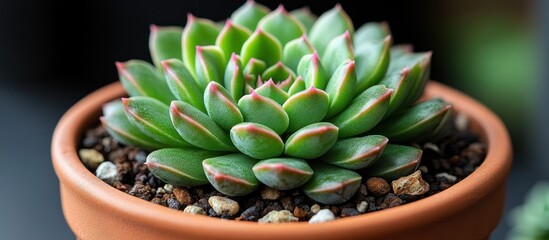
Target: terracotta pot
x,y
470,209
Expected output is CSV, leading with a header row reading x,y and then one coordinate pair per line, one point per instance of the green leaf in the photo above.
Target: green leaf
x,y
282,25
262,45
297,86
278,72
139,78
423,63
182,83
401,83
306,107
364,112
152,118
414,123
221,106
256,140
258,109
341,87
331,184
396,161
328,26
372,60
198,129
371,32
197,32
179,166
249,14
231,174
120,128
337,51
356,153
231,38
283,173
234,77
312,71
311,141
165,43
253,70
305,16
272,91
286,84
210,64
295,50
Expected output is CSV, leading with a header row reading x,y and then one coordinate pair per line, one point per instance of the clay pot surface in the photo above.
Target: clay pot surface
x,y
470,209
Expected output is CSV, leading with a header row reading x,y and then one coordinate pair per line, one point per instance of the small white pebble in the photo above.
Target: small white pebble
x,y
168,188
160,191
315,208
432,146
362,206
278,217
91,158
223,205
107,172
194,210
462,122
324,215
451,178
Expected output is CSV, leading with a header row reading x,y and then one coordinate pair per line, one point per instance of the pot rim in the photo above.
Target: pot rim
x,y
74,175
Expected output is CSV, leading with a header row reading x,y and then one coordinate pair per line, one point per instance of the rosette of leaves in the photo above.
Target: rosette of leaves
x,y
529,221
284,99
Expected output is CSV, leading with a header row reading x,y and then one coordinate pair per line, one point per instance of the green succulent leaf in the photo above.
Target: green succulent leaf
x,y
139,78
258,109
210,64
231,174
312,71
249,14
331,184
372,60
297,86
179,166
286,84
337,51
198,128
257,140
282,25
364,112
401,49
198,32
182,83
414,123
306,107
231,38
262,45
221,106
341,87
283,173
117,124
328,26
396,161
278,72
311,141
420,62
401,82
305,16
253,70
272,91
371,32
356,153
295,50
152,118
165,43
234,77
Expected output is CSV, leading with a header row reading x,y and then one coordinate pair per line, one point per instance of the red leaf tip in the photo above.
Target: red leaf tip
x,y
153,28
120,66
254,94
281,9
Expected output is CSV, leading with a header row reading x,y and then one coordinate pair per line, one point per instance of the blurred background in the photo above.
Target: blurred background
x,y
53,53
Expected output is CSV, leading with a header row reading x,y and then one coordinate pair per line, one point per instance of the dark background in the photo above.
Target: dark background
x,y
53,53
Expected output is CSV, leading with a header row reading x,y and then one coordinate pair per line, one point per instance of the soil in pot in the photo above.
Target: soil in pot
x,y
444,163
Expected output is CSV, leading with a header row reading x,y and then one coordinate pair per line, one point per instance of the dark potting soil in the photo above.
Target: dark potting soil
x,y
444,163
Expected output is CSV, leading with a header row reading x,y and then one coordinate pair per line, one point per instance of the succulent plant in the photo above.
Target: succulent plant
x,y
529,220
279,98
